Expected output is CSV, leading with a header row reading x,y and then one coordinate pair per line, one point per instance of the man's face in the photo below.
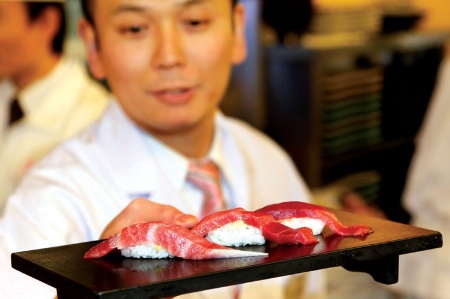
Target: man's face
x,y
16,39
167,61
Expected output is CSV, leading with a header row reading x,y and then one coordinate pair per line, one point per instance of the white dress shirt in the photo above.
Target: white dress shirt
x,y
72,194
56,107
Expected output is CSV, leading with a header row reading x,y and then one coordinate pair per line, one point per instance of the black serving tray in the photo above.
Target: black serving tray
x,y
117,277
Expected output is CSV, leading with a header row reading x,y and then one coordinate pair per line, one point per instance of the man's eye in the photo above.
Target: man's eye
x,y
196,24
133,30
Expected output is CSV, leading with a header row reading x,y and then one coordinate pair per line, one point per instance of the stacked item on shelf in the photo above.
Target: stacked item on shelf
x,y
397,7
349,16
349,22
399,15
351,116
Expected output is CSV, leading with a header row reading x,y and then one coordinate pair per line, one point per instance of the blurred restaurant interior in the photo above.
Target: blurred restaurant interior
x,y
342,85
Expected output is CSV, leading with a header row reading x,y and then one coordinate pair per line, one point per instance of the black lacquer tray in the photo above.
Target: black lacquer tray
x,y
117,277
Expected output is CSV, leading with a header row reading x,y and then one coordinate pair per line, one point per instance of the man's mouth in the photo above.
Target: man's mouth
x,y
173,91
174,96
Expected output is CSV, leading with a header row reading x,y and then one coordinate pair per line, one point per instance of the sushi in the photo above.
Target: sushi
x,y
238,227
159,240
297,214
292,222
235,227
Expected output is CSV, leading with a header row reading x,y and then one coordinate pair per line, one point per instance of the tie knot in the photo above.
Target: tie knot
x,y
204,170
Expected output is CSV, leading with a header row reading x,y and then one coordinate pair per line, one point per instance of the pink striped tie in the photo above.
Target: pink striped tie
x,y
205,176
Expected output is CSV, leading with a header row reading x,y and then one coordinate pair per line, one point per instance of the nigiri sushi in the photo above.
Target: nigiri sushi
x,y
159,240
297,214
234,227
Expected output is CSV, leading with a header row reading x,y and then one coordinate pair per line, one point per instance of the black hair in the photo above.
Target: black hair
x,y
34,10
86,6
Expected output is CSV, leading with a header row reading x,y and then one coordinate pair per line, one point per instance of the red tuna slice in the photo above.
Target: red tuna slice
x,y
282,234
298,209
175,239
103,248
221,218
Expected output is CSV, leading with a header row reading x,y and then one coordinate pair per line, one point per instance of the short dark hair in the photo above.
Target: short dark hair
x,y
86,6
34,9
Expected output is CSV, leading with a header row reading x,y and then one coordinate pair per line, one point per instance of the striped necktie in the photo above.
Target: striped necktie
x,y
15,112
206,176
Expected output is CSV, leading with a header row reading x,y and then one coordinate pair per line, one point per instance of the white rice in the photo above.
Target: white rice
x,y
146,251
236,234
315,224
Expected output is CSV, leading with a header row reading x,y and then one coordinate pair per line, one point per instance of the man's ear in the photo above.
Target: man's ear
x,y
48,22
240,43
87,34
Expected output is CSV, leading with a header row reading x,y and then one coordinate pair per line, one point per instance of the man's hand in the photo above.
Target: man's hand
x,y
141,210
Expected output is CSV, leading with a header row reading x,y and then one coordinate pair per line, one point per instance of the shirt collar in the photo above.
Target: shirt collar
x,y
174,165
47,101
170,162
7,90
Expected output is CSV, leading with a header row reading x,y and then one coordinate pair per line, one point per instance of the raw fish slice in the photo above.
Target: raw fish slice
x,y
297,209
221,218
282,234
103,248
178,241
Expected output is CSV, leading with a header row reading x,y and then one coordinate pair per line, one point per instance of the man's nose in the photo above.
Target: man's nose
x,y
168,48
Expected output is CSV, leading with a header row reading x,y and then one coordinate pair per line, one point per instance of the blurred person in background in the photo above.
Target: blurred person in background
x,y
45,97
425,275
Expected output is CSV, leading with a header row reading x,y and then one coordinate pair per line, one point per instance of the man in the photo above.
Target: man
x,y
56,96
168,64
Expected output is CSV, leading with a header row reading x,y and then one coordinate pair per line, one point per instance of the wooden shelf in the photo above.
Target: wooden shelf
x,y
298,94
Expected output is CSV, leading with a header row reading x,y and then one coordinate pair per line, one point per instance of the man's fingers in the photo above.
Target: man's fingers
x,y
186,220
141,210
